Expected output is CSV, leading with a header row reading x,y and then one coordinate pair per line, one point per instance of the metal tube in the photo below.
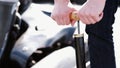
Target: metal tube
x,y
80,50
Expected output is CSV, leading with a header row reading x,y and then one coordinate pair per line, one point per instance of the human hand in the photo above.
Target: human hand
x,y
61,13
92,11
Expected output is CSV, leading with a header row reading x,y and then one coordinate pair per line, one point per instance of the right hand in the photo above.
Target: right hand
x,y
92,11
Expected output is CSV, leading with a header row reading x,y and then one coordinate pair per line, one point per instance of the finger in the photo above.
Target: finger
x,y
84,17
61,21
88,18
85,20
58,21
98,18
66,20
91,20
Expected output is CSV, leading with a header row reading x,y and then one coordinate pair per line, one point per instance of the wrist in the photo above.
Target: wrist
x,y
62,2
97,0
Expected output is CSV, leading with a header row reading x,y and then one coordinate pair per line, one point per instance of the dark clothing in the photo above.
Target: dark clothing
x,y
100,39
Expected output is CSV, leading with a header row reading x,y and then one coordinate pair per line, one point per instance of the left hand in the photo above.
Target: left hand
x,y
61,14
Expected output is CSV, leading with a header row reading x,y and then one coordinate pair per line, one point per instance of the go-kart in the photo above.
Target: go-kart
x,y
26,40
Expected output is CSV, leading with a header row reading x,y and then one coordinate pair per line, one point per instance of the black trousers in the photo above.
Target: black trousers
x,y
100,39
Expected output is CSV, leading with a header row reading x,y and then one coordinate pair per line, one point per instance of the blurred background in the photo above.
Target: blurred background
x,y
30,34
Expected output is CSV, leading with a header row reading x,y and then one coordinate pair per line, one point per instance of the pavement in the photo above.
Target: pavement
x,y
34,12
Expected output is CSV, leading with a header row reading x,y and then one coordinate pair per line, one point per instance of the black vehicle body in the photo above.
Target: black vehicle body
x,y
17,53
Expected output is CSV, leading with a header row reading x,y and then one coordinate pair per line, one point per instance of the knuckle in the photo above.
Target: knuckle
x,y
93,15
